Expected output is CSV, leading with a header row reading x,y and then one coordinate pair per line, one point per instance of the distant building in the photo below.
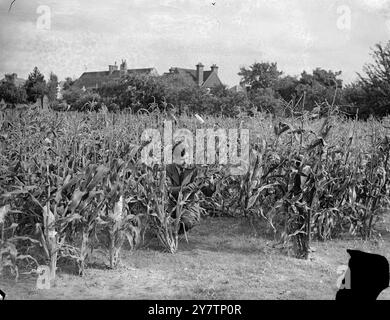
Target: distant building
x,y
94,80
203,79
240,88
13,77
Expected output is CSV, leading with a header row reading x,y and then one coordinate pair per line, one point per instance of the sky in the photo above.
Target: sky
x,y
71,37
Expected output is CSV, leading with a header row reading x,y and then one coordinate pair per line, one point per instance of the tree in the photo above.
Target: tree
x,y
286,87
260,75
10,92
52,87
68,83
319,87
266,100
322,77
72,94
375,83
143,91
35,86
263,79
135,91
354,98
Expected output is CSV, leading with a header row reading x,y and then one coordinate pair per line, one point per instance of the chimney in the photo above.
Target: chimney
x,y
172,70
199,74
214,68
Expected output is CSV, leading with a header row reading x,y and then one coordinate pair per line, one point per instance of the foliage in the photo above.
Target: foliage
x,y
72,96
286,88
371,92
266,100
134,91
68,83
51,89
269,91
260,75
35,85
10,92
74,180
319,87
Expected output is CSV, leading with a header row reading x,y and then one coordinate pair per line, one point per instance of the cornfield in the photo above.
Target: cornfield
x,y
71,182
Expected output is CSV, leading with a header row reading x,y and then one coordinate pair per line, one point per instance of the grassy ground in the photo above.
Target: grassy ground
x,y
224,259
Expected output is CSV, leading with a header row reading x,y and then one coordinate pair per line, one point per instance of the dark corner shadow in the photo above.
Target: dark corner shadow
x,y
366,277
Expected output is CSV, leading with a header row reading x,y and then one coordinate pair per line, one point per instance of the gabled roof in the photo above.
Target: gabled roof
x,y
191,74
142,70
92,79
98,78
212,80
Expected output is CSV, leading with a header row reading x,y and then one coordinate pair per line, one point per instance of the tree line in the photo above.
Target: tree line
x,y
264,88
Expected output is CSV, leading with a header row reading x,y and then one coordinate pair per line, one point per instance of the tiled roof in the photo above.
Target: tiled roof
x,y
191,73
141,70
98,78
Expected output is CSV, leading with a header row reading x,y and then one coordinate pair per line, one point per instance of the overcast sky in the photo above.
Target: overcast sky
x,y
89,35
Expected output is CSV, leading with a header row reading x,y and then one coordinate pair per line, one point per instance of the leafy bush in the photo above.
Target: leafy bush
x,y
72,95
371,93
11,93
35,85
266,100
134,91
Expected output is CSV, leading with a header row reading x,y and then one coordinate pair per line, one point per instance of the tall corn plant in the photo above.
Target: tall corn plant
x,y
41,198
81,199
118,222
152,187
373,193
9,254
154,196
291,177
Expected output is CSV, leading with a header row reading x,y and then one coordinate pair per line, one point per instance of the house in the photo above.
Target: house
x,y
18,82
94,80
203,79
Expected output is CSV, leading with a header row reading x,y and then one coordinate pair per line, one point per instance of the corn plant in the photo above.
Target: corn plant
x,y
67,176
9,254
118,222
153,195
